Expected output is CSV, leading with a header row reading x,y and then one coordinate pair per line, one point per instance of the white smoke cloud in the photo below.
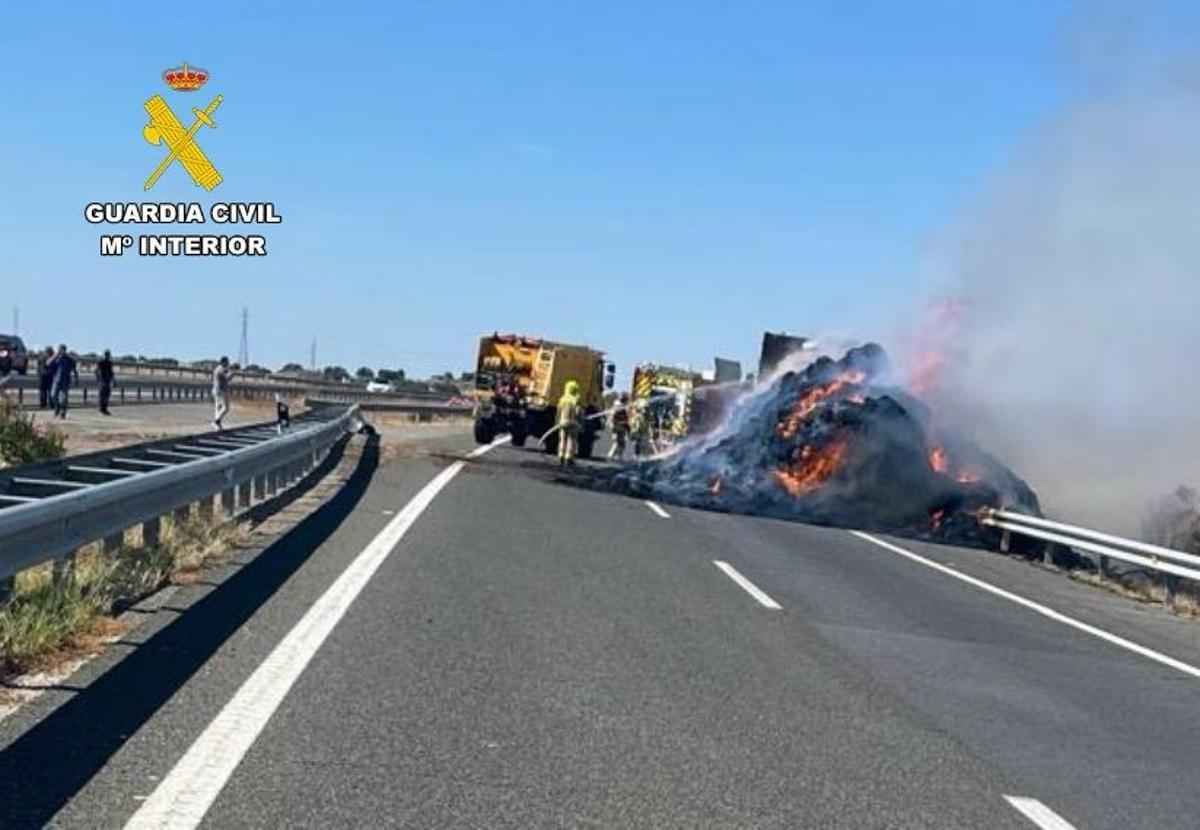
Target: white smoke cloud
x,y
1078,350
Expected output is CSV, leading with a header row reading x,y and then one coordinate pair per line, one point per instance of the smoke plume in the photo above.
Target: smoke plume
x,y
1072,353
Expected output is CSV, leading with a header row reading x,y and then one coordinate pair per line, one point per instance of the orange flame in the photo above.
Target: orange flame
x,y
813,397
813,467
935,340
937,460
935,519
714,486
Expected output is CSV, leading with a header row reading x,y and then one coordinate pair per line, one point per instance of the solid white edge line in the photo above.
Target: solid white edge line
x,y
1050,613
184,796
662,514
1038,813
748,586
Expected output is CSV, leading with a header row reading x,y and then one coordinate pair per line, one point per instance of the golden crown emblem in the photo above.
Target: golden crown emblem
x,y
185,78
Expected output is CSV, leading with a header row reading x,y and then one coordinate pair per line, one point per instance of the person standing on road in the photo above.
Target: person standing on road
x,y
45,377
104,376
222,374
65,371
283,416
640,427
568,423
620,429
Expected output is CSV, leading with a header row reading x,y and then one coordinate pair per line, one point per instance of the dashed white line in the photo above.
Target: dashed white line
x,y
1039,813
1050,613
658,511
187,792
748,586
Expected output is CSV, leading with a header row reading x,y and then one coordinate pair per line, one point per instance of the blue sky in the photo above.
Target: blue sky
x,y
661,180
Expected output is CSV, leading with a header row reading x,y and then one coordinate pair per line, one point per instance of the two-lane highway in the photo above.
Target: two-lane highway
x,y
480,644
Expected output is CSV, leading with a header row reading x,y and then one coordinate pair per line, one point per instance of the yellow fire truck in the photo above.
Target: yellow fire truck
x,y
518,381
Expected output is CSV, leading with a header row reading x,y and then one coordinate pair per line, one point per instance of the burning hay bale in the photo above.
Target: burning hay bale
x,y
836,444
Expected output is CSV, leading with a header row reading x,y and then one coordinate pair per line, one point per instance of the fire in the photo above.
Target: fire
x,y
813,467
935,339
936,518
714,486
939,462
813,398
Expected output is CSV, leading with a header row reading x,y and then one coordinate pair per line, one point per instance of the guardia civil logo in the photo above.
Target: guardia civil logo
x,y
166,130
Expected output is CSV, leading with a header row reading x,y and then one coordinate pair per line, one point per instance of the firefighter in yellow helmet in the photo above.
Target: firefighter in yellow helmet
x,y
568,423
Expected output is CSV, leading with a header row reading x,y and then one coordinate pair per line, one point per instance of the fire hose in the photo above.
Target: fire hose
x,y
605,413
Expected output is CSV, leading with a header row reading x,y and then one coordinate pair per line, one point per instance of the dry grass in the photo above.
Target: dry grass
x,y
1142,587
52,617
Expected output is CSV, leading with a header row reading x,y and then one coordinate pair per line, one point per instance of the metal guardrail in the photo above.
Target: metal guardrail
x,y
50,510
383,402
1101,546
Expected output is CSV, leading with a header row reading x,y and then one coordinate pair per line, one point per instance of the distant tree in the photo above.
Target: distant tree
x,y
365,373
467,377
128,358
258,370
335,373
393,376
291,367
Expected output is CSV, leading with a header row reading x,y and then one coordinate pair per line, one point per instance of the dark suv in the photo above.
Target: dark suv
x,y
13,357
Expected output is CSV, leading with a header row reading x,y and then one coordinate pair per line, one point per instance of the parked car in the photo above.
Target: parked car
x,y
13,356
376,386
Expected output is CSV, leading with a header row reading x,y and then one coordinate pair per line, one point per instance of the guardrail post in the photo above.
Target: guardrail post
x,y
229,502
260,487
204,509
139,395
1005,540
1048,554
151,532
180,515
245,494
62,567
113,543
1170,590
1102,569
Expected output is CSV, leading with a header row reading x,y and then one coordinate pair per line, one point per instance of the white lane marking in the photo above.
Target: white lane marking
x,y
749,587
662,514
1057,616
187,792
1039,813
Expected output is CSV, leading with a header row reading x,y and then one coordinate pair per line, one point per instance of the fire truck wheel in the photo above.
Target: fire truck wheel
x,y
484,431
587,442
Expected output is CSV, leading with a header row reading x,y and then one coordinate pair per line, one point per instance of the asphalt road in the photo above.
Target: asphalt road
x,y
534,654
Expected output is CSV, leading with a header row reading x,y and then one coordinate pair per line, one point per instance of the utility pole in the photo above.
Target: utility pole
x,y
244,347
312,355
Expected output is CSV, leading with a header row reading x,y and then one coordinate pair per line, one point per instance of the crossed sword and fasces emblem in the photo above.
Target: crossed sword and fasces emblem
x,y
165,127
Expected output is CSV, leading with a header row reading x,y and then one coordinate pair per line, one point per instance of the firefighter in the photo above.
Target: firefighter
x,y
620,429
639,423
568,423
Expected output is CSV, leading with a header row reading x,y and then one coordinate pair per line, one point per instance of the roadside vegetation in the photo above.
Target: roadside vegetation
x,y
22,441
53,615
